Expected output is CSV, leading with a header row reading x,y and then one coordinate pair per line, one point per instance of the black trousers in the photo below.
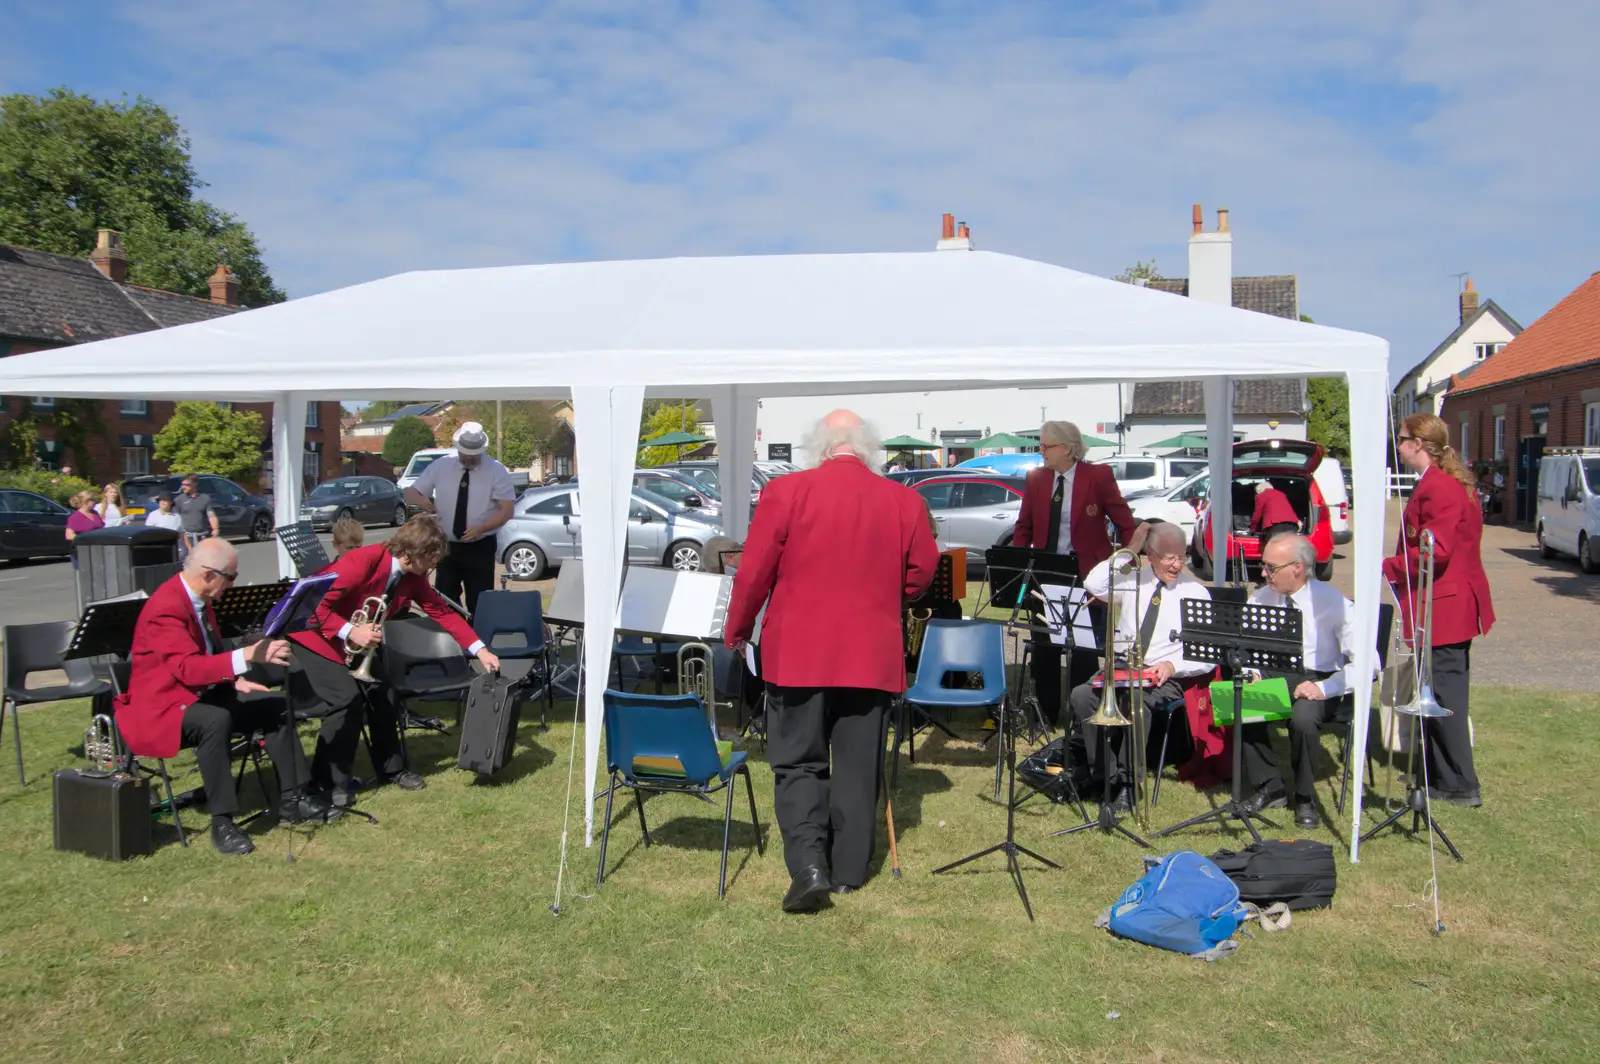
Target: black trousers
x,y
1085,700
827,806
1305,739
1046,667
321,688
209,726
1449,738
466,571
1279,529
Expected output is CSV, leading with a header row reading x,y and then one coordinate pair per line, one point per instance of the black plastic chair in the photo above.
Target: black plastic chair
x,y
423,661
511,624
31,648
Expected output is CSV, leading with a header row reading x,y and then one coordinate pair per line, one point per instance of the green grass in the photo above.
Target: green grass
x,y
429,937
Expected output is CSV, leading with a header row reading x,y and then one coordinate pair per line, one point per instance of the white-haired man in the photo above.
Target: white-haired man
x,y
1288,564
1149,610
833,554
472,495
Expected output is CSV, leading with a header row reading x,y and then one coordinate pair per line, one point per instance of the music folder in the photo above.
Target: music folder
x,y
293,611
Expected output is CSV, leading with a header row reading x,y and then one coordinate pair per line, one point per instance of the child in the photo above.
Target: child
x,y
348,534
165,516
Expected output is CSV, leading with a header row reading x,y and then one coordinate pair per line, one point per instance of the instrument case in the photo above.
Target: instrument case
x,y
104,816
489,724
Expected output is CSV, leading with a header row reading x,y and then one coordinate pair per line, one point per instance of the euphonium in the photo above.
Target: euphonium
x,y
372,612
1108,715
695,677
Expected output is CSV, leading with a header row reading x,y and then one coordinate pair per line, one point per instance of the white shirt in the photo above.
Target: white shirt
x,y
395,573
490,484
1134,591
198,604
1064,481
157,519
1327,629
110,513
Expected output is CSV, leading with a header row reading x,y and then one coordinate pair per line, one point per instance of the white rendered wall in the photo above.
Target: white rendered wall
x,y
1460,355
1144,432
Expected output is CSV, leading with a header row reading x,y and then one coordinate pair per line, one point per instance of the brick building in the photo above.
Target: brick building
x,y
1541,390
54,301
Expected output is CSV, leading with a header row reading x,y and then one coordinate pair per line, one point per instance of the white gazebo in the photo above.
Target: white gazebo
x,y
609,334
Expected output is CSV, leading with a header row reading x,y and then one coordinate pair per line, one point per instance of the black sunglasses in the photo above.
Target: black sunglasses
x,y
1403,439
229,577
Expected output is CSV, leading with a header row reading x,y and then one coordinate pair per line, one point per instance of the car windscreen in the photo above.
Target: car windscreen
x,y
333,488
419,462
1591,473
659,500
142,492
1274,457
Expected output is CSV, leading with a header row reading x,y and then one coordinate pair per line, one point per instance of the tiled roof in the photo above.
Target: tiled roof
x,y
1256,396
1489,307
60,300
1278,296
1567,335
414,410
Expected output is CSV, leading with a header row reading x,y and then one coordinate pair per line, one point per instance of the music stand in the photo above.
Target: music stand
x,y
106,630
1017,576
1240,636
242,610
304,548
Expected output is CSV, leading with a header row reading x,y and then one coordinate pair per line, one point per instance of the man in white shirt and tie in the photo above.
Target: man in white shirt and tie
x,y
472,495
1327,626
1149,610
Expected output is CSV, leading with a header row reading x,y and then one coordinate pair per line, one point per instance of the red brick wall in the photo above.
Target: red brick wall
x,y
1566,393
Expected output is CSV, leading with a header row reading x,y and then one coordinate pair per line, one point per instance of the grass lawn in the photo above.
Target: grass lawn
x,y
429,937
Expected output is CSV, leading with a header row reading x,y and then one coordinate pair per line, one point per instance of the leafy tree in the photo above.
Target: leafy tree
x,y
74,420
47,482
1140,271
409,435
667,416
70,165
1329,420
203,437
530,427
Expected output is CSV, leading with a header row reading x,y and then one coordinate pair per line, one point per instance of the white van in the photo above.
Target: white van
x,y
1569,505
1148,472
1329,476
420,461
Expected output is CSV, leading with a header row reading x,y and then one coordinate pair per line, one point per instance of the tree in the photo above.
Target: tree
x,y
203,437
74,421
667,416
409,435
1140,271
1329,420
70,165
530,427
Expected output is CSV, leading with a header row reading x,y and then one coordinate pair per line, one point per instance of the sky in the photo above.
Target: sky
x,y
1374,148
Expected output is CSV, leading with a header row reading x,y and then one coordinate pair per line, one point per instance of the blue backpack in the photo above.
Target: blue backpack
x,y
1183,902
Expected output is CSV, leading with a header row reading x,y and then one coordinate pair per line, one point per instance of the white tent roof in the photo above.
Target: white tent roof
x,y
732,330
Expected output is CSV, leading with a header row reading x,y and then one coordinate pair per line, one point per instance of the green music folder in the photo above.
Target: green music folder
x,y
1263,700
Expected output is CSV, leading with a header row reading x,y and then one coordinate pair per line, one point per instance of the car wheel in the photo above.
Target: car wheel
x,y
684,556
1200,566
399,517
346,514
524,561
261,528
1544,548
1586,560
1325,570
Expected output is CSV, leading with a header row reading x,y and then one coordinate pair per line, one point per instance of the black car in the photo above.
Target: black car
x,y
238,512
370,500
32,526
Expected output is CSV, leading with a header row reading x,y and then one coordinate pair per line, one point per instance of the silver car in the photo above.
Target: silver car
x,y
546,529
975,511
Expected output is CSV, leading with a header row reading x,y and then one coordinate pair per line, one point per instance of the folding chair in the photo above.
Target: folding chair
x,y
511,624
303,547
422,660
31,648
956,646
661,744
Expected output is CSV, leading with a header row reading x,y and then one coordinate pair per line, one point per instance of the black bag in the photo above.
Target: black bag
x,y
105,816
1054,771
489,724
1299,872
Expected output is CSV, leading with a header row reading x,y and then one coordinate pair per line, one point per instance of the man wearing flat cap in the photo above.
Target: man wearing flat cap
x,y
471,494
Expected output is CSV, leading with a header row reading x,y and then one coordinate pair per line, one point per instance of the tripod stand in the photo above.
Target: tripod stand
x,y
1240,635
1417,802
1106,820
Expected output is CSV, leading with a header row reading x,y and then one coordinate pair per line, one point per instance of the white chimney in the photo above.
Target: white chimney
x,y
1211,261
954,237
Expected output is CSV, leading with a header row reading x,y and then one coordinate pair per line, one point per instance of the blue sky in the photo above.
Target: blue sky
x,y
1373,147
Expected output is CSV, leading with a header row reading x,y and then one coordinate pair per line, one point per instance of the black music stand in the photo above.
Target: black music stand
x,y
304,548
105,630
242,610
1016,578
1239,635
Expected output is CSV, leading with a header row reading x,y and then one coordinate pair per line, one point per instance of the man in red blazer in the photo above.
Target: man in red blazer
x,y
320,683
1065,505
1274,513
833,554
186,690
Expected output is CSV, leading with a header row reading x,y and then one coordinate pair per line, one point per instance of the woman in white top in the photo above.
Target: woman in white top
x,y
111,505
165,516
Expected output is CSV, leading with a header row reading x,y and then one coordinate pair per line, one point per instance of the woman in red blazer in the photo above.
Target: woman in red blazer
x,y
1089,495
1442,503
320,683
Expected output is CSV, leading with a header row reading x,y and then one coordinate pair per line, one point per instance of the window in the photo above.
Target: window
x,y
637,512
556,505
42,402
1539,418
135,408
982,493
1465,449
1134,470
23,502
312,416
225,406
135,461
220,489
937,493
1591,425
1499,437
563,465
309,467
1483,351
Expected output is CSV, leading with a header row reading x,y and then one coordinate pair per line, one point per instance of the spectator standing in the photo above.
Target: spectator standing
x,y
194,509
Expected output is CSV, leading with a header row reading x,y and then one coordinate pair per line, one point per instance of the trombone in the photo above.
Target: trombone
x,y
1422,703
1108,715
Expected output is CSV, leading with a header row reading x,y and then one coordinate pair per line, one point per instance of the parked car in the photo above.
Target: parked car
x,y
239,513
370,500
681,488
1005,463
917,476
32,526
974,510
1569,505
546,529
1330,476
420,461
1139,472
707,471
1180,505
1288,465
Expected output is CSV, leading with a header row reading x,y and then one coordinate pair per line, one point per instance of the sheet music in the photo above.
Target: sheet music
x,y
670,603
1069,602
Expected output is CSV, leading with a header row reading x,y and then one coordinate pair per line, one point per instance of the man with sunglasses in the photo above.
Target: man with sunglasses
x,y
1327,619
186,689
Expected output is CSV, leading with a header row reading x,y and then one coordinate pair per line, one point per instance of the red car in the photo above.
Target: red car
x,y
1287,465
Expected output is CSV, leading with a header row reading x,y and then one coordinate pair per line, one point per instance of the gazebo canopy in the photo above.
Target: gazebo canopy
x,y
1004,439
908,443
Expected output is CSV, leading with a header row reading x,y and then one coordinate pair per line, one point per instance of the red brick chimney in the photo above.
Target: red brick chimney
x,y
224,287
108,256
1469,301
949,232
963,232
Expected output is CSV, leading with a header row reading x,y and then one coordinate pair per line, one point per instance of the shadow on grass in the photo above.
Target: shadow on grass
x,y
691,832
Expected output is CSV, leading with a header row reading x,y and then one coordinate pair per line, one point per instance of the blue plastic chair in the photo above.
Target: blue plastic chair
x,y
956,646
635,647
669,727
514,615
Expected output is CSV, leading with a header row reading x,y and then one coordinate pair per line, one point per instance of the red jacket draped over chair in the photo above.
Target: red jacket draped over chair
x,y
833,553
1095,497
361,574
1462,609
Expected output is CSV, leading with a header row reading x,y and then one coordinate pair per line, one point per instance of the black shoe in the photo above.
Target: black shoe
x,y
842,888
415,720
1305,814
407,780
1470,799
228,839
808,890
301,808
1269,796
1122,804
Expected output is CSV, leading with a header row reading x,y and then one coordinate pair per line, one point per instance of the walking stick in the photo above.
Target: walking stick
x,y
894,854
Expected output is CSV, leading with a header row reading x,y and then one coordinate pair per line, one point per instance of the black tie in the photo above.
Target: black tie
x,y
1148,627
213,642
1052,540
459,529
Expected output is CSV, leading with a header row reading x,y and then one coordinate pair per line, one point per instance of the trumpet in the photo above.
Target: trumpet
x,y
372,612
